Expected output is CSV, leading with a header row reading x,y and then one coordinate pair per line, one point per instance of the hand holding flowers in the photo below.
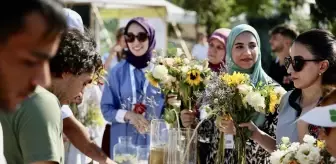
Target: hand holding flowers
x,y
177,75
238,103
188,118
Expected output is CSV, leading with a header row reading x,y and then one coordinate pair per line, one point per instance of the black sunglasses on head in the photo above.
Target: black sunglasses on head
x,y
298,62
141,37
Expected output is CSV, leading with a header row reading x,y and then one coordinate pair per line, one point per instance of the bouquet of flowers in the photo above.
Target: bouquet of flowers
x,y
235,97
99,76
178,77
88,112
312,151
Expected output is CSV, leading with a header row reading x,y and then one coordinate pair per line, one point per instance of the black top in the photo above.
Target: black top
x,y
279,74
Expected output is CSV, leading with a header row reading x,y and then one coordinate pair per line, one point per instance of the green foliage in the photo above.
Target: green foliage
x,y
323,15
302,22
216,13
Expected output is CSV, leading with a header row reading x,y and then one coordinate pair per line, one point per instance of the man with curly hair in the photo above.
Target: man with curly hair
x,y
74,130
33,134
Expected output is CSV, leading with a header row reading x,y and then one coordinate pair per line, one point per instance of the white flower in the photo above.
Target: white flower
x,y
216,101
276,156
179,51
158,59
168,79
160,72
308,154
255,100
288,157
206,80
204,110
172,78
186,61
283,147
309,139
285,140
174,102
294,147
206,63
244,89
279,91
169,61
185,69
332,159
199,67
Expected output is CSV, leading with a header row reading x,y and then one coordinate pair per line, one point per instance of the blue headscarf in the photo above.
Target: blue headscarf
x,y
257,73
141,61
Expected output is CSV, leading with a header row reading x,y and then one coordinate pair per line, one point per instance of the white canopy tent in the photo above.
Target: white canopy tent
x,y
157,12
175,14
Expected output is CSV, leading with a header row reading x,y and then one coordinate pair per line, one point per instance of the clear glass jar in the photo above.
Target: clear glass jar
x,y
143,154
158,141
124,152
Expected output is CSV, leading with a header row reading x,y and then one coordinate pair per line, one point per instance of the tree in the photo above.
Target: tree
x,y
323,15
214,14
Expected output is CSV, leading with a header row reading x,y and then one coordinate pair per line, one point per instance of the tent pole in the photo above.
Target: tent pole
x,y
182,42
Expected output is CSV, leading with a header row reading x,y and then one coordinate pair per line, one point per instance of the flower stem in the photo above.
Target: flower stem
x,y
221,149
195,132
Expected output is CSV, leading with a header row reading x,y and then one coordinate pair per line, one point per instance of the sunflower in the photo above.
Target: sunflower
x,y
151,80
194,77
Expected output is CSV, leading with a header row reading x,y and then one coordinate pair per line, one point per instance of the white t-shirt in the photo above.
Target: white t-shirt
x,y
66,112
2,157
200,52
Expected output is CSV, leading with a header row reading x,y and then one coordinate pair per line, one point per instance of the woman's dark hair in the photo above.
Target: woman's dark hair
x,y
120,33
322,45
76,54
327,130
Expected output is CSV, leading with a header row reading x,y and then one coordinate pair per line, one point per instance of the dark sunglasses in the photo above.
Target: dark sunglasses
x,y
298,62
141,37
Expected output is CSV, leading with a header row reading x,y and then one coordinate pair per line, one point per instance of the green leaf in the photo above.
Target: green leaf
x,y
169,116
332,113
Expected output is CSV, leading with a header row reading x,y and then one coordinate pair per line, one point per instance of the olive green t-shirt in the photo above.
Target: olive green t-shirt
x,y
34,132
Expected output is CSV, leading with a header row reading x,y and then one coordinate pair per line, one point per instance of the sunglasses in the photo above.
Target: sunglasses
x,y
298,62
141,37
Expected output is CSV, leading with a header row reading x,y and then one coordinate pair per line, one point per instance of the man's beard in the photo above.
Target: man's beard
x,y
278,49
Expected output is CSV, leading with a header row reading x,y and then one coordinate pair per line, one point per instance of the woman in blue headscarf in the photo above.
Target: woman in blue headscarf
x,y
125,97
243,55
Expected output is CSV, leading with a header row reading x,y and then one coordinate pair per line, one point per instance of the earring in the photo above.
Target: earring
x,y
320,74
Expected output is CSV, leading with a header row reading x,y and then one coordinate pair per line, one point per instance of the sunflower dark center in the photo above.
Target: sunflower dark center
x,y
193,76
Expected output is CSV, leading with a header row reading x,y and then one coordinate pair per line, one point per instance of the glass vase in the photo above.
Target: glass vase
x,y
182,146
158,141
142,154
124,152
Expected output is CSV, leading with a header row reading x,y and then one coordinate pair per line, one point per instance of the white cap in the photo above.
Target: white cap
x,y
74,20
321,116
